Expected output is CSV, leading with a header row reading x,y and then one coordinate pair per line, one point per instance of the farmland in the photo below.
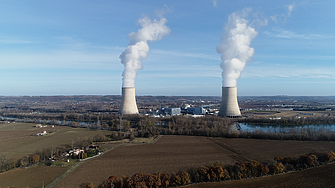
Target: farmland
x,y
31,177
18,142
174,153
322,176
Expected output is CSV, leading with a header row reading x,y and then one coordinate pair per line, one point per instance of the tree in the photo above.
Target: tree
x,y
3,161
86,185
165,179
184,178
20,163
175,180
35,158
132,137
263,169
278,168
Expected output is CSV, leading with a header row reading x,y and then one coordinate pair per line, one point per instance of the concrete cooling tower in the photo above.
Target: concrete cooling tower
x,y
229,106
128,101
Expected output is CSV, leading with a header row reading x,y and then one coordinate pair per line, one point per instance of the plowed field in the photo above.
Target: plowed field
x,y
322,176
32,177
173,153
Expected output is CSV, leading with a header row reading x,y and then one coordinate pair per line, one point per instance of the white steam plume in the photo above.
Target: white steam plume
x,y
235,47
138,48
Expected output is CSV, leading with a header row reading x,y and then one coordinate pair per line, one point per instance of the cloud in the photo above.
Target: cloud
x,y
186,54
60,59
287,71
73,43
283,17
215,3
279,33
290,9
14,40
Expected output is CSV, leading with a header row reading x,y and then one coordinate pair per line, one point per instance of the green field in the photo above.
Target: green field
x,y
17,126
20,142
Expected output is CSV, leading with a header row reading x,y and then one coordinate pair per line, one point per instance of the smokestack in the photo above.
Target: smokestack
x,y
128,101
229,106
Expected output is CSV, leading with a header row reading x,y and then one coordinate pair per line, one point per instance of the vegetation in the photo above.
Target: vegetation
x,y
217,172
47,156
292,121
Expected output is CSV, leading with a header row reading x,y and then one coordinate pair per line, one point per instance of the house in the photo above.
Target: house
x,y
42,133
76,151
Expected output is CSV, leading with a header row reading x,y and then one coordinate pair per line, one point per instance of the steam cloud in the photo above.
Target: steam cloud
x,y
138,48
235,47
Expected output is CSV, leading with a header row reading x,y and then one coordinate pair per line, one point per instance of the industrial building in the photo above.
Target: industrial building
x,y
196,110
172,111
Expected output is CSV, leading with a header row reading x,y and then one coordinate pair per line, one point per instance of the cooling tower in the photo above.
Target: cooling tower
x,y
128,101
229,106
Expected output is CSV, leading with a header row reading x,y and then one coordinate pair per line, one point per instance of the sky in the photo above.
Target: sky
x,y
73,47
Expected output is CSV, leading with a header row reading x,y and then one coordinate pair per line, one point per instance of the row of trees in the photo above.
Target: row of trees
x,y
216,172
327,120
308,134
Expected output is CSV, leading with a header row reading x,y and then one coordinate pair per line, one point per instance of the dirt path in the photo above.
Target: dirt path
x,y
238,156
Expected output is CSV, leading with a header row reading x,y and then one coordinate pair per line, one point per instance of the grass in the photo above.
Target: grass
x,y
65,163
18,143
282,113
18,127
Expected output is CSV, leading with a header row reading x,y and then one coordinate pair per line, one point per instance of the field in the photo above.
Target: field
x,y
283,113
174,153
19,142
322,176
32,177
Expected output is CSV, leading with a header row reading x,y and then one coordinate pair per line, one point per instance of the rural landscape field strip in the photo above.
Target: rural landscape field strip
x,y
238,154
264,150
322,176
168,154
171,154
31,177
76,165
174,153
63,175
15,144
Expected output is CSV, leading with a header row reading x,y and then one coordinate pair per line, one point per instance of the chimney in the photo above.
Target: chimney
x,y
229,106
128,101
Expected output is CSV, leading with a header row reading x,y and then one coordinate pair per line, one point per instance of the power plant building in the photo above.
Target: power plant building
x,y
171,111
128,101
196,110
229,105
